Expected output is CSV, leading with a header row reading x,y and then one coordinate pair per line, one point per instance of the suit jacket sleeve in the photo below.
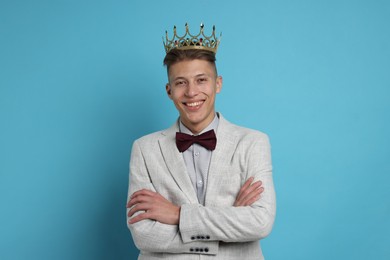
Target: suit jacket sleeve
x,y
237,224
153,236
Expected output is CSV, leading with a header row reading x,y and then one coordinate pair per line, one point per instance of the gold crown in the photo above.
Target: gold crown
x,y
189,41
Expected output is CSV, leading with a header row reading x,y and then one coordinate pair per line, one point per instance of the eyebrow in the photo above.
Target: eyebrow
x,y
196,76
178,78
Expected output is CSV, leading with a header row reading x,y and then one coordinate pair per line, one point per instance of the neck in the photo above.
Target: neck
x,y
197,129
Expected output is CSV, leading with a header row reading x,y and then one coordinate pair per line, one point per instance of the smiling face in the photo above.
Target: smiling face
x,y
193,85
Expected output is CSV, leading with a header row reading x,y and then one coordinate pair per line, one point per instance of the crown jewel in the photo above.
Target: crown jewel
x,y
189,41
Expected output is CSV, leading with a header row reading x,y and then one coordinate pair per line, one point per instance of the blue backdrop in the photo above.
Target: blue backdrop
x,y
81,80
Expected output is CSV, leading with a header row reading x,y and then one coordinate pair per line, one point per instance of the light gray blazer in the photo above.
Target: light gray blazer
x,y
217,230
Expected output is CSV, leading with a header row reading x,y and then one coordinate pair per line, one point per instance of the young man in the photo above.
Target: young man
x,y
203,188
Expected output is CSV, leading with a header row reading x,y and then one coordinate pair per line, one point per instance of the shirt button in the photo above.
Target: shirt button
x,y
196,153
200,183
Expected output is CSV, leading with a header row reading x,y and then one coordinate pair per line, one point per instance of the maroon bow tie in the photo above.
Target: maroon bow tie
x,y
208,140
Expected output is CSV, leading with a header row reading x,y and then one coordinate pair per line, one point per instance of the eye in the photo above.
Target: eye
x,y
180,83
202,80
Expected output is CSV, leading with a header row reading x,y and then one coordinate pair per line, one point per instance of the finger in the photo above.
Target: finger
x,y
256,184
247,183
248,190
249,186
245,186
248,198
142,192
138,207
251,197
139,199
140,217
253,200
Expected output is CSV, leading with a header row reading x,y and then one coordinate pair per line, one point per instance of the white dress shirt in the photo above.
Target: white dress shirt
x,y
197,160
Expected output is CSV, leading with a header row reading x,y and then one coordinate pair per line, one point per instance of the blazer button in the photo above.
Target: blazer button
x,y
207,237
202,237
198,237
206,249
201,250
191,249
192,237
196,249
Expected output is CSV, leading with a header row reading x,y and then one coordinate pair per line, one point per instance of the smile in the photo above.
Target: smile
x,y
194,104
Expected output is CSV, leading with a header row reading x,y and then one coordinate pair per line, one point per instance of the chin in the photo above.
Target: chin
x,y
195,119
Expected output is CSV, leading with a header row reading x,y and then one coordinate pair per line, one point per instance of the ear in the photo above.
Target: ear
x,y
168,90
218,84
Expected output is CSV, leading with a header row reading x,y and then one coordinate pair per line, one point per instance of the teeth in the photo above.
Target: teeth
x,y
194,104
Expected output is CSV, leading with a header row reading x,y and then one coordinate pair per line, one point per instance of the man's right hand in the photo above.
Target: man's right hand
x,y
249,193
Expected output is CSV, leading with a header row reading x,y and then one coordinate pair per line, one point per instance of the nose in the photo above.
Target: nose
x,y
191,90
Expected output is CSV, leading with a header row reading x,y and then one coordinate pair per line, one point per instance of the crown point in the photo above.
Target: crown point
x,y
189,41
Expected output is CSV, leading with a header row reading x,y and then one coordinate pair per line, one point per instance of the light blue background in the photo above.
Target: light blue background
x,y
80,80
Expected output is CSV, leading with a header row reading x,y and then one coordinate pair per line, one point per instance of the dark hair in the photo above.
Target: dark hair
x,y
176,55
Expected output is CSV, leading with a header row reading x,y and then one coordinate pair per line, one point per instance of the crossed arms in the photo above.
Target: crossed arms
x,y
158,224
155,207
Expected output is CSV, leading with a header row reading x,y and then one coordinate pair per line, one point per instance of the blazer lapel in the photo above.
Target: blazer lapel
x,y
226,144
175,162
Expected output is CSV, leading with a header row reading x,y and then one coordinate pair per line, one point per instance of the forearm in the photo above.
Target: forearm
x,y
228,224
152,236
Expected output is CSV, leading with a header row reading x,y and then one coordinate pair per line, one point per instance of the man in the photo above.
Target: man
x,y
194,195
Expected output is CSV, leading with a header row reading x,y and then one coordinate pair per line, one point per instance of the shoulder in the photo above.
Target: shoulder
x,y
243,133
147,143
153,138
150,137
149,140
